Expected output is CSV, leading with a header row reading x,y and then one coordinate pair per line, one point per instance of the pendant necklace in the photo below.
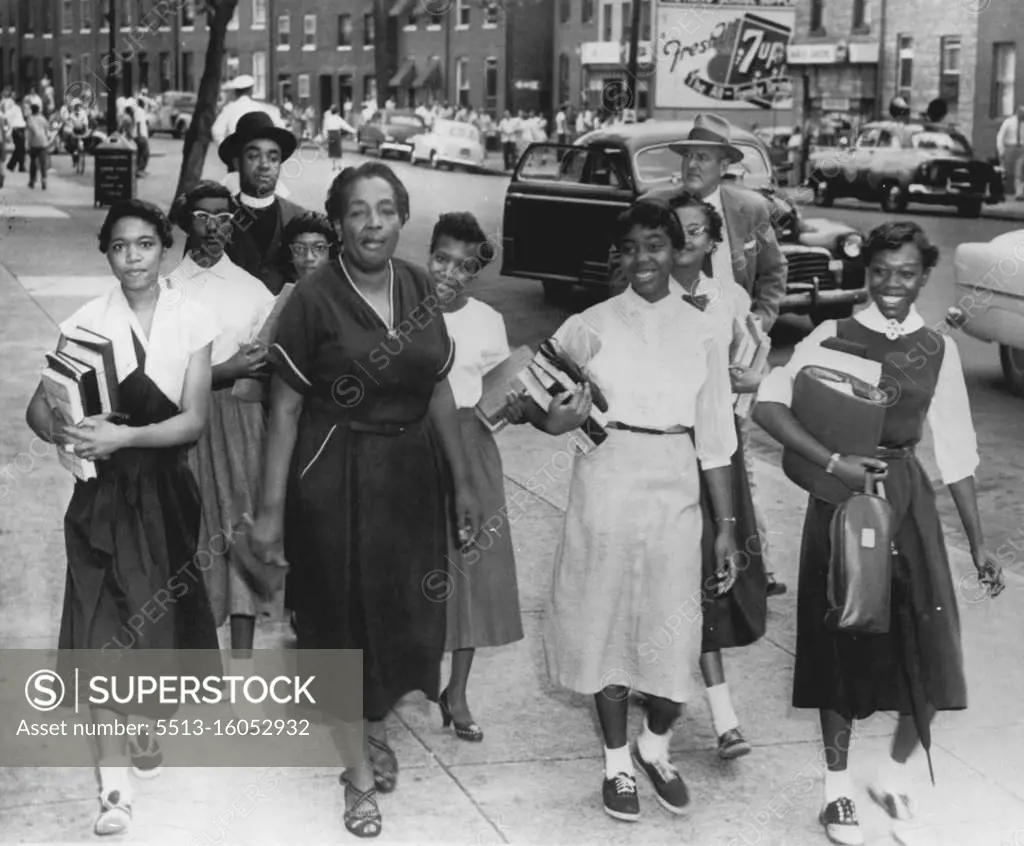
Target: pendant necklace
x,y
893,329
389,320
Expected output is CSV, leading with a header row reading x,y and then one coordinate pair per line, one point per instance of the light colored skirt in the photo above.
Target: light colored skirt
x,y
625,605
483,607
226,462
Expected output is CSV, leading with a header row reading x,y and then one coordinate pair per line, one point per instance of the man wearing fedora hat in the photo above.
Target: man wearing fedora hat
x,y
256,150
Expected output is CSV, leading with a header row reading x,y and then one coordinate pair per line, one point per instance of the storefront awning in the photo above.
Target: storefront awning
x,y
430,76
400,7
404,76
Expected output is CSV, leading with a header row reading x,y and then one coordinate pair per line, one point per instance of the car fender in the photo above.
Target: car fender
x,y
822,232
989,289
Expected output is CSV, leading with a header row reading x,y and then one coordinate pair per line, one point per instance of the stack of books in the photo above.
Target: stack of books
x,y
80,380
750,348
542,376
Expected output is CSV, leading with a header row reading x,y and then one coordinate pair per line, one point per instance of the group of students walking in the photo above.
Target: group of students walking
x,y
366,479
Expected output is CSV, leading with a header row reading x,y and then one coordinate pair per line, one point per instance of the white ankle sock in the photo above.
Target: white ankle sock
x,y
114,776
617,761
837,784
653,747
722,713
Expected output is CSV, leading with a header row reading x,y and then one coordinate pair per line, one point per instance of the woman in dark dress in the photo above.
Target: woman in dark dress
x,y
362,419
916,668
131,532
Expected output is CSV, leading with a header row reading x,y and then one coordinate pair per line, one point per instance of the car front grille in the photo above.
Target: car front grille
x,y
805,267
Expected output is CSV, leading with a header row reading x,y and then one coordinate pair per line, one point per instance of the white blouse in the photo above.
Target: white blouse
x,y
659,365
240,302
180,328
480,345
949,415
727,303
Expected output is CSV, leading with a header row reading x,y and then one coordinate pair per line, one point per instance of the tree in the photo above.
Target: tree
x,y
197,139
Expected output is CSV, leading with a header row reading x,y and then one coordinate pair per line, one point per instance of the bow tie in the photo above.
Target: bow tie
x,y
698,301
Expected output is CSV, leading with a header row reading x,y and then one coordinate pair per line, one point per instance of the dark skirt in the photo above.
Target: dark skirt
x,y
366,537
919,660
334,144
738,618
483,608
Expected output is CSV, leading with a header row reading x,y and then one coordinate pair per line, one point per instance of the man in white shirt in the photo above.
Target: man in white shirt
x,y
243,103
507,131
142,136
1010,145
16,121
562,126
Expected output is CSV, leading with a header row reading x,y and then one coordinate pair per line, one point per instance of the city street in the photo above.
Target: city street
x,y
536,777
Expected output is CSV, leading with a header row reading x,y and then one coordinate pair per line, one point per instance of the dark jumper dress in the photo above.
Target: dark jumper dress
x,y
366,521
131,545
920,660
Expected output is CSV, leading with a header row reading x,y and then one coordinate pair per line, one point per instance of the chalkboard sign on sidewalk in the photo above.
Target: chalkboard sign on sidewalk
x,y
114,172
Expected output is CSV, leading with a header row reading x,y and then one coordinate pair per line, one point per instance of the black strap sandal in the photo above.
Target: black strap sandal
x,y
385,765
362,816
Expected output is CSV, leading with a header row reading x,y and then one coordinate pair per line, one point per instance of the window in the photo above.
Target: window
x,y
259,74
563,78
188,15
233,23
627,21
564,10
945,141
607,168
462,81
586,11
868,139
48,26
369,30
284,32
231,65
85,12
949,71
463,10
309,32
904,66
436,9
816,16
606,22
491,85
188,81
303,86
860,17
491,14
124,15
144,70
345,30
887,139
259,14
67,16
166,83
645,21
370,88
1004,66
68,68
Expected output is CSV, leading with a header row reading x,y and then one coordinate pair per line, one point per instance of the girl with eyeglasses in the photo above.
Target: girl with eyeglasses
x,y
736,618
312,242
226,458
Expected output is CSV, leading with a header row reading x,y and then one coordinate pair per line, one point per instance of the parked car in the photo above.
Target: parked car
x,y
900,163
776,139
988,299
562,201
449,143
390,131
173,113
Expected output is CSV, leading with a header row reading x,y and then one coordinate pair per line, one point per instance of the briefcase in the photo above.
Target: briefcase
x,y
843,413
859,586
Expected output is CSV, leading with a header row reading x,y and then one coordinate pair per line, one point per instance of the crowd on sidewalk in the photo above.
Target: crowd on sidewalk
x,y
346,443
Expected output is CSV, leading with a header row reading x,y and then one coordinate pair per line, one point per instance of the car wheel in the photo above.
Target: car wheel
x,y
823,195
820,315
434,163
362,149
179,130
970,208
894,198
1012,360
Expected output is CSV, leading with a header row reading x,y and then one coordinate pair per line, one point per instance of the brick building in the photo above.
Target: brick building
x,y
851,57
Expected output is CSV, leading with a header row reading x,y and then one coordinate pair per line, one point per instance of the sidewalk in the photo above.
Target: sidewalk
x,y
536,777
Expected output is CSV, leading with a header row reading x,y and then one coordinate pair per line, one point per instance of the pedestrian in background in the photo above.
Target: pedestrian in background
x,y
16,118
39,139
5,143
1010,146
334,128
507,128
141,136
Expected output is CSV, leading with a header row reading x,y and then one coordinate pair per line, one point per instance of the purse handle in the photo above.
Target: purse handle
x,y
873,484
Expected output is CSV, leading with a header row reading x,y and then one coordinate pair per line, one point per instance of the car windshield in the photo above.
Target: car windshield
x,y
940,141
462,131
184,101
660,166
405,120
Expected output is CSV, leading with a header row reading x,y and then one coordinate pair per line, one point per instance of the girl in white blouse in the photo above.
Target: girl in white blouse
x,y
630,558
483,603
917,668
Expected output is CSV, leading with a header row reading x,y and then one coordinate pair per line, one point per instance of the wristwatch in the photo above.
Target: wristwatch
x,y
833,460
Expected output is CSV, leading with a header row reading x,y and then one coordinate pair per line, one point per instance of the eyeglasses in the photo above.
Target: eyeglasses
x,y
695,230
300,250
207,218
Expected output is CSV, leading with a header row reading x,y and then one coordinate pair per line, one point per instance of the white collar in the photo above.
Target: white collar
x,y
873,319
190,267
675,293
256,202
715,197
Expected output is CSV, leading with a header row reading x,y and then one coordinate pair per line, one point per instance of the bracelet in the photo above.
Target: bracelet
x,y
833,460
726,520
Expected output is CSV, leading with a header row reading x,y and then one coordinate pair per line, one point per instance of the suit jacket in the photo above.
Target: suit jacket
x,y
243,250
757,262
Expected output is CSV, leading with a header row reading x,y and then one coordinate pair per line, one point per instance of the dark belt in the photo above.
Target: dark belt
x,y
371,428
892,453
675,430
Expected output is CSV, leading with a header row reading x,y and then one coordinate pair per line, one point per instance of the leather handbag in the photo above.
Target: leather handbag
x,y
859,587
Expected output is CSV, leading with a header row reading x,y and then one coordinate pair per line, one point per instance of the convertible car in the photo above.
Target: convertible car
x,y
562,202
988,299
898,163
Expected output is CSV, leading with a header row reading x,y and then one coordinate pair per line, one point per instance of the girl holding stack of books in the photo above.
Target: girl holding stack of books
x,y
630,556
483,604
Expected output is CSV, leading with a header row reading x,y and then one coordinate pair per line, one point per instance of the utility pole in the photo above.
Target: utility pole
x,y
633,66
112,68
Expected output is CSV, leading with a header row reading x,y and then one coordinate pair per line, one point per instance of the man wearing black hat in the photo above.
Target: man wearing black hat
x,y
257,149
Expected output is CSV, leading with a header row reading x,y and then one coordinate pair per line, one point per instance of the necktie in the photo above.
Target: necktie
x,y
698,301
